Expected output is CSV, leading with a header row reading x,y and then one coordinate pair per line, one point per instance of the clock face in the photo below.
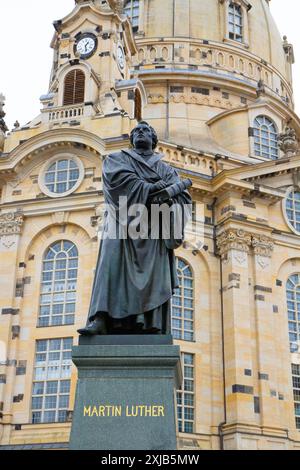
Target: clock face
x,y
86,46
121,57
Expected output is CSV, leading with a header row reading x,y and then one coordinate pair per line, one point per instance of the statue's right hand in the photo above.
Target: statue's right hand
x,y
158,186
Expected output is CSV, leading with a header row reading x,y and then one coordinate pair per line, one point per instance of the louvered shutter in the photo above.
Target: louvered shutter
x,y
74,88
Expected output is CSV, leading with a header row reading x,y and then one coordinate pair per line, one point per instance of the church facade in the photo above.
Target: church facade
x,y
214,78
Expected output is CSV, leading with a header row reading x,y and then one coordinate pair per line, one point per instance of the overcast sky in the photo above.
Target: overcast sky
x,y
26,58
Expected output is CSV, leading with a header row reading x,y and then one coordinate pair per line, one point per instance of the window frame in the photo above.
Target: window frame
x,y
49,163
54,281
245,7
44,395
284,209
182,392
181,305
260,143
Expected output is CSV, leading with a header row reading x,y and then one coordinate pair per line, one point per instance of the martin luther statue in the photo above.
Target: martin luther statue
x,y
136,276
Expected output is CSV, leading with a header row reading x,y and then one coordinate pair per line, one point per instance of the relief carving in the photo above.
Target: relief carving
x,y
11,223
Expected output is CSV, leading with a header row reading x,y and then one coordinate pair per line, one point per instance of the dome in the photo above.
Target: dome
x,y
207,21
207,66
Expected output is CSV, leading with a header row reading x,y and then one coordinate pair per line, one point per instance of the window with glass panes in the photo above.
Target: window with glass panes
x,y
186,396
61,176
132,10
59,284
235,22
183,303
296,390
51,381
292,208
293,306
265,138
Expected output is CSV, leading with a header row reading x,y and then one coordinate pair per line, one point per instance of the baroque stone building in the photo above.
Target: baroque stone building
x,y
214,78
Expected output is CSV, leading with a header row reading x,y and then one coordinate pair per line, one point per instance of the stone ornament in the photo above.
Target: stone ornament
x,y
11,223
233,239
262,245
117,5
241,241
288,142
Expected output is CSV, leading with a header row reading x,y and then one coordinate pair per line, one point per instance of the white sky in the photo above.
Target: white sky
x,y
26,57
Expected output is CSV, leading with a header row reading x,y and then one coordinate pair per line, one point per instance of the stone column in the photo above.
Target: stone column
x,y
234,245
10,233
265,311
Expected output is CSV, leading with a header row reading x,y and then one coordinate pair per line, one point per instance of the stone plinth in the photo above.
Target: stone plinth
x,y
125,397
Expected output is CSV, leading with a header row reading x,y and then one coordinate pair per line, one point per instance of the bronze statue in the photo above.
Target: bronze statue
x,y
136,277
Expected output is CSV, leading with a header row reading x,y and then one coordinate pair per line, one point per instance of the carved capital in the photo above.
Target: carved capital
x,y
11,223
233,239
262,245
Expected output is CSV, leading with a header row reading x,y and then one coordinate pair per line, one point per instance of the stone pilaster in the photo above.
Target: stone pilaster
x,y
10,233
234,246
265,316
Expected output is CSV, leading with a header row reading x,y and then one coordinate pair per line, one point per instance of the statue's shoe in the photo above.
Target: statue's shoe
x,y
96,327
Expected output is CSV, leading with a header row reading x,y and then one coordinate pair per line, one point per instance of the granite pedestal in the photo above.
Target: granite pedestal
x,y
125,397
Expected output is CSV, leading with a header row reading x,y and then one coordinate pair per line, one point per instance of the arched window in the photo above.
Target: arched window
x,y
132,10
293,306
59,283
138,106
74,88
235,22
265,138
183,304
292,209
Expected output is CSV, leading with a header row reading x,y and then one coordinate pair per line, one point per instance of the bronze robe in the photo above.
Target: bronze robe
x,y
135,276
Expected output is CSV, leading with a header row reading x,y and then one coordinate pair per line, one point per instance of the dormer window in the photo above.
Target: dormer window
x,y
235,22
74,88
132,10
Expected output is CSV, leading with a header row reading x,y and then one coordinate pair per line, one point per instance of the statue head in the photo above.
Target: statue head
x,y
143,136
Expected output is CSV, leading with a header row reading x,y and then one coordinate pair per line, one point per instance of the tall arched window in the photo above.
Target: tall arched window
x,y
235,22
74,88
265,138
293,306
132,10
138,106
59,283
183,304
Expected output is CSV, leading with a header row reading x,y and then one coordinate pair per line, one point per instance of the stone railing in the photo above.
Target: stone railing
x,y
197,56
64,113
189,159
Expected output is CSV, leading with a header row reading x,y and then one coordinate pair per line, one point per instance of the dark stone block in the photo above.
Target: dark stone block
x,y
263,289
275,309
15,330
261,298
263,376
118,340
256,405
10,311
21,371
248,372
242,389
278,283
2,379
